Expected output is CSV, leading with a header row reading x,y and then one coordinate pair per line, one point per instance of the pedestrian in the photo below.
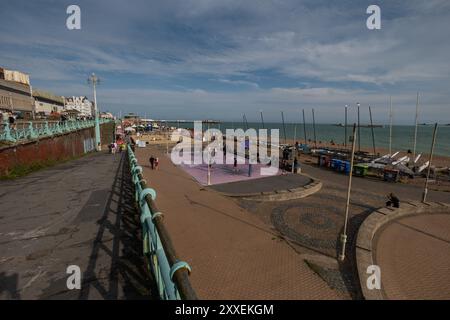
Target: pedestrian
x,y
156,163
152,162
393,201
5,116
296,165
235,170
11,121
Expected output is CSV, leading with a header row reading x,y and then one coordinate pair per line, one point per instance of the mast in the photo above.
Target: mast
x,y
373,134
390,126
304,127
284,127
359,129
415,128
262,119
425,190
314,128
345,127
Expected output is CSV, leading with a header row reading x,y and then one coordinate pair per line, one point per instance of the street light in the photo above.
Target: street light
x,y
343,236
94,80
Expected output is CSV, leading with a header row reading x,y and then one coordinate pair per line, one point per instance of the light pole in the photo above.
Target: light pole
x,y
11,102
94,80
347,206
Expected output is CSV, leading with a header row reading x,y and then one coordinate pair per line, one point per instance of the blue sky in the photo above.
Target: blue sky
x,y
219,59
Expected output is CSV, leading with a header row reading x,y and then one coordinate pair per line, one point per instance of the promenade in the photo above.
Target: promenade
x,y
215,233
76,213
414,256
82,213
233,254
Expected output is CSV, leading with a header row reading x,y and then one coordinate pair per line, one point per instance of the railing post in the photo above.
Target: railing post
x,y
7,133
31,133
47,129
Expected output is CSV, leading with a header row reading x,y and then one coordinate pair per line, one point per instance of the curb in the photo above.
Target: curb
x,y
373,223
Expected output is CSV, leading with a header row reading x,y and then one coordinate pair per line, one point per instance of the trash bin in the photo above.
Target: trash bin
x,y
324,160
391,175
345,167
360,170
336,164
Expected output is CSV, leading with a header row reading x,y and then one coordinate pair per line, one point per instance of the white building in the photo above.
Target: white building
x,y
80,104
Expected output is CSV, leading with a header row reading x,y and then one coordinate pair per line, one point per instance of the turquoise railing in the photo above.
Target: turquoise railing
x,y
171,275
36,130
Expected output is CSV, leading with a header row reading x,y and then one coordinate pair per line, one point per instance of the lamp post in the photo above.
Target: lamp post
x,y
94,80
343,237
11,102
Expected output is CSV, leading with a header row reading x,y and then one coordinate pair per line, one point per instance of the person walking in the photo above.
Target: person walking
x,y
12,120
156,163
152,162
296,167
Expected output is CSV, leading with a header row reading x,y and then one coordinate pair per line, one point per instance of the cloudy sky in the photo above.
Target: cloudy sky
x,y
198,59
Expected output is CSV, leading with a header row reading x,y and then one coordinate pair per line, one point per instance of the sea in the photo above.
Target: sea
x,y
402,136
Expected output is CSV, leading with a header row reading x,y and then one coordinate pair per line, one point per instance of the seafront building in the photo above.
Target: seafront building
x,y
16,93
80,104
46,103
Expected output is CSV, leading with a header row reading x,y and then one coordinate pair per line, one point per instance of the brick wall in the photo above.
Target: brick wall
x,y
52,149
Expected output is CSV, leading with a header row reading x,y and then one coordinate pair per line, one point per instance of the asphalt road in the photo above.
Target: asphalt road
x,y
76,213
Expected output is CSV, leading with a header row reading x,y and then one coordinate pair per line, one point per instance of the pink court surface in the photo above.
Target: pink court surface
x,y
225,173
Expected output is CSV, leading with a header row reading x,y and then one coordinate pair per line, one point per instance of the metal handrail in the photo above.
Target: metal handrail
x,y
36,130
171,274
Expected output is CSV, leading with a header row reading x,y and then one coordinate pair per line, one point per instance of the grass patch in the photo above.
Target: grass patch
x,y
23,170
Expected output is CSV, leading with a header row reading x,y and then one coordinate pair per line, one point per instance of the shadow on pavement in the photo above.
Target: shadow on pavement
x,y
127,278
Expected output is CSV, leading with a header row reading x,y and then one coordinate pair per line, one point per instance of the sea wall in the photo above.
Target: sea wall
x,y
49,150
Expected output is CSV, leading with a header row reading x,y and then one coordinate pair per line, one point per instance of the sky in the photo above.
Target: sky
x,y
219,59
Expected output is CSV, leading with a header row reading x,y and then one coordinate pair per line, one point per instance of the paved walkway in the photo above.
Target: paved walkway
x,y
76,213
414,256
233,254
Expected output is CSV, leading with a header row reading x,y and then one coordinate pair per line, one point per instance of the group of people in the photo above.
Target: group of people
x,y
154,163
115,147
9,117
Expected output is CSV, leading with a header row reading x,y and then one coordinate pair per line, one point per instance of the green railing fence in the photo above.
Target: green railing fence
x,y
39,129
